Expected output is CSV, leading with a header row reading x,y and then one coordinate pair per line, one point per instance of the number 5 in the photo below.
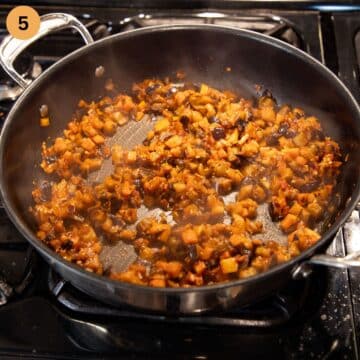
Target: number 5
x,y
23,23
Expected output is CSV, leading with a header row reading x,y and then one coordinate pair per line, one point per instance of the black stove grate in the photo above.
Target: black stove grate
x,y
18,261
271,25
93,326
273,311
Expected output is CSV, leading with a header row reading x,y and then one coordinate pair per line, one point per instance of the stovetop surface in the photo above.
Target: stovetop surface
x,y
43,317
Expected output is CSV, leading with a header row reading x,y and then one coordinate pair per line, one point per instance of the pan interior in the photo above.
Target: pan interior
x,y
118,256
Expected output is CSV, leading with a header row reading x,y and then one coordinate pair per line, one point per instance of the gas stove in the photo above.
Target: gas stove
x,y
42,316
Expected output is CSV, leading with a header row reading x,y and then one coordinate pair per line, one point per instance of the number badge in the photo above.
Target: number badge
x,y
23,22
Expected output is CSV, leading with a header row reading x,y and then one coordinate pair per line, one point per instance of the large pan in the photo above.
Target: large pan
x,y
203,52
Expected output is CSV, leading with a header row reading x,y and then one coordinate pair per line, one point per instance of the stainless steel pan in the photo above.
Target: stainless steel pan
x,y
203,52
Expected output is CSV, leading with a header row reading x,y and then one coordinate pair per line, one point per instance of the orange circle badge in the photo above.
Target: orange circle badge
x,y
23,22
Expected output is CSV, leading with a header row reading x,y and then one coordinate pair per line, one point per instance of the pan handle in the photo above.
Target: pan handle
x,y
349,261
10,47
343,262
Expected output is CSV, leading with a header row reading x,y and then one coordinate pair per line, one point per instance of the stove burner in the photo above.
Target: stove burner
x,y
18,261
10,289
104,322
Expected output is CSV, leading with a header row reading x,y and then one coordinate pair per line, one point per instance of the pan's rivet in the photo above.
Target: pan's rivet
x,y
302,271
222,297
58,287
99,71
44,110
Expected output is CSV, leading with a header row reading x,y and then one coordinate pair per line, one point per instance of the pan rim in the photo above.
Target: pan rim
x,y
270,41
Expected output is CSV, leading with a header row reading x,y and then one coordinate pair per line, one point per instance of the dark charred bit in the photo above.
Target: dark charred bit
x,y
171,161
114,205
273,139
208,278
107,271
45,188
146,142
283,128
267,93
212,263
176,162
299,115
317,135
218,133
67,245
310,186
240,124
236,163
273,214
150,89
185,122
298,171
213,119
193,253
290,134
243,159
